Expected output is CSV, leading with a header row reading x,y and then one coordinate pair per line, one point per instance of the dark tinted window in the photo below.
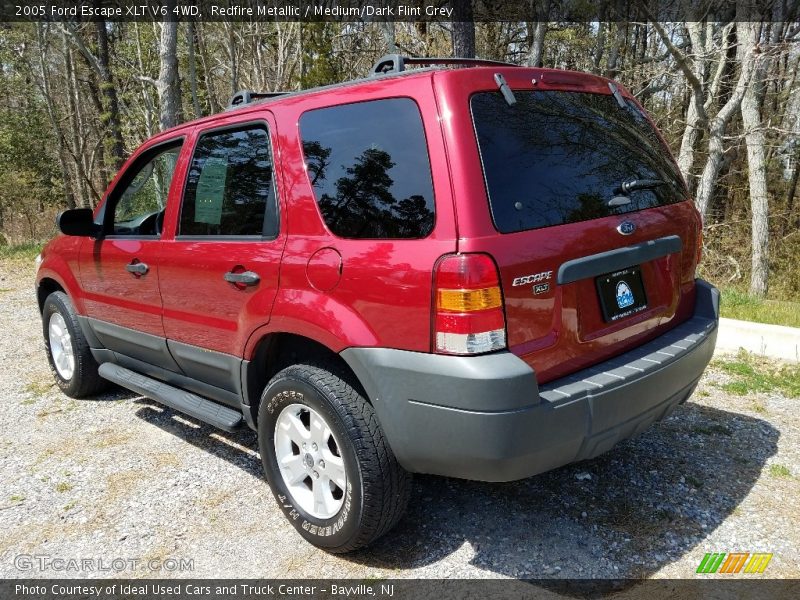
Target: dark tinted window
x,y
229,190
368,164
559,157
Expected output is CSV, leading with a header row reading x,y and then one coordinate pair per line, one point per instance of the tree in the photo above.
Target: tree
x,y
463,29
750,33
168,84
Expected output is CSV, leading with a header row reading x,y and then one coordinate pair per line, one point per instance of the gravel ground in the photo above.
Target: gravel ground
x,y
122,477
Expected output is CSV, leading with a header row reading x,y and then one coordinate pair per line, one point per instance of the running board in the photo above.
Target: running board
x,y
181,400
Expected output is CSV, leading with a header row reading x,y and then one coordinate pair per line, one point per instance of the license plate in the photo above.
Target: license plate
x,y
621,293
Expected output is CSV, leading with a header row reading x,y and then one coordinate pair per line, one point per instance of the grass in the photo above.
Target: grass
x,y
751,374
779,471
17,498
28,250
63,487
38,388
739,305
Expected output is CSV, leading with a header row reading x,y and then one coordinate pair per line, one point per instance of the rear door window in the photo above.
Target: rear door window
x,y
368,165
229,189
562,157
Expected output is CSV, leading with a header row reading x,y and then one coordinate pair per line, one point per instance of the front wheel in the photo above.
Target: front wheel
x,y
326,459
68,353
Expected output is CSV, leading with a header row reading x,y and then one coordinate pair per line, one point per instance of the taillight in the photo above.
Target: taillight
x,y
468,316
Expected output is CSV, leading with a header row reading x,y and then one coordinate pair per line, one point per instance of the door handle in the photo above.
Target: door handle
x,y
137,268
243,278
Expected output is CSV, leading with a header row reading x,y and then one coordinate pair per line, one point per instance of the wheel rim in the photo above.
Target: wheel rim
x,y
310,461
61,346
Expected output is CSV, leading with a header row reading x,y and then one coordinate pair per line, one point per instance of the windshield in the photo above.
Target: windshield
x,y
561,157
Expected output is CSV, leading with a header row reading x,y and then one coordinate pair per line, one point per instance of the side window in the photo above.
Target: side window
x,y
369,168
229,190
139,208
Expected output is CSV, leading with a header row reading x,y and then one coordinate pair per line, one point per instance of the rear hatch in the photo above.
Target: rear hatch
x,y
593,234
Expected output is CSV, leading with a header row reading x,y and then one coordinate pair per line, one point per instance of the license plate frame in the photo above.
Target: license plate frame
x,y
621,293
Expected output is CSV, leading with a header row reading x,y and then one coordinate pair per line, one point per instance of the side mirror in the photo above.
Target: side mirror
x,y
78,222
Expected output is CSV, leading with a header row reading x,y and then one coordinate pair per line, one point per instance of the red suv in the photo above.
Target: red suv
x,y
470,269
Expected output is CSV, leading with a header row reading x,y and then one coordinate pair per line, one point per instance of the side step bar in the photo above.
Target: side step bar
x,y
181,400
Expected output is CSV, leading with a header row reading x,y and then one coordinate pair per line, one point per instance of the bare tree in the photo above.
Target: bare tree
x,y
719,124
756,161
463,29
190,43
168,84
536,34
100,63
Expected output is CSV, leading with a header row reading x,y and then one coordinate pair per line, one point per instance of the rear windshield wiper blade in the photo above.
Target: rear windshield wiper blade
x,y
626,187
640,184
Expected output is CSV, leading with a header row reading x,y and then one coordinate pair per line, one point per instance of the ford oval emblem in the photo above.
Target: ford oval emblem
x,y
626,228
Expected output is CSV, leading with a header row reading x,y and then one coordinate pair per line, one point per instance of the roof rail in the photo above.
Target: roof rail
x,y
243,97
396,63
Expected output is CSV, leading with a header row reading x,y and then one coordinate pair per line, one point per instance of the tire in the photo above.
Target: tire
x,y
82,380
377,489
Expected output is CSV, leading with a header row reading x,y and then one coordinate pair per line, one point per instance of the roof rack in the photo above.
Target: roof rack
x,y
243,97
396,63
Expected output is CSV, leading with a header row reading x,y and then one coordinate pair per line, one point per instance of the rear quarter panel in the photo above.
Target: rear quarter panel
x,y
383,296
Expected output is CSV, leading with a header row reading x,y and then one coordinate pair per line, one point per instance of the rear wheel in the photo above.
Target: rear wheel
x,y
326,459
71,361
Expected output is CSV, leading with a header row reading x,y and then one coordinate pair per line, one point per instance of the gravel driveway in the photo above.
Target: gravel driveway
x,y
122,477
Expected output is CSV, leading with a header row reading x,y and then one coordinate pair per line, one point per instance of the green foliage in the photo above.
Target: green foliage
x,y
28,169
319,63
779,471
26,251
741,305
751,374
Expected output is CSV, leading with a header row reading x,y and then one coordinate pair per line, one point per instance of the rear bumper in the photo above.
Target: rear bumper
x,y
485,417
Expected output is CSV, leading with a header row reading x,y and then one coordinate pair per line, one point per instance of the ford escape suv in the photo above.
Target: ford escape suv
x,y
468,269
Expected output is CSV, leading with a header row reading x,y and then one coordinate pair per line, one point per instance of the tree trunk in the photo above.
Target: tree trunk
x,y
612,66
536,34
387,28
599,45
232,58
756,162
463,29
190,41
75,126
169,95
110,117
696,119
69,197
205,71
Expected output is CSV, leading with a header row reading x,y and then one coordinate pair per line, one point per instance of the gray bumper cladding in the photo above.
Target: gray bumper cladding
x,y
485,417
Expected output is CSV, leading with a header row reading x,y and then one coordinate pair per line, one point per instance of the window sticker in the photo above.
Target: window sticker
x,y
211,191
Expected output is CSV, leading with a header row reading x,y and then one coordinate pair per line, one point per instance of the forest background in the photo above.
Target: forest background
x,y
77,98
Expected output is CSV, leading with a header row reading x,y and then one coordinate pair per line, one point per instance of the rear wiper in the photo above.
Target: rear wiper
x,y
504,89
626,187
640,184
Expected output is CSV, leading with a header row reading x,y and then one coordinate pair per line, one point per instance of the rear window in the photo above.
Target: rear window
x,y
560,157
368,164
